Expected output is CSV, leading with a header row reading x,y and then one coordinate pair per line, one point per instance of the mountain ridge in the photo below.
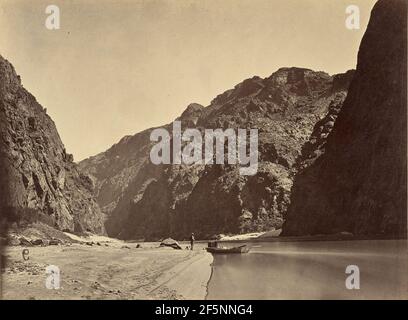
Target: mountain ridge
x,y
359,184
40,180
289,101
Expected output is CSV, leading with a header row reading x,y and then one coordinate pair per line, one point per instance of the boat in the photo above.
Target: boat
x,y
222,250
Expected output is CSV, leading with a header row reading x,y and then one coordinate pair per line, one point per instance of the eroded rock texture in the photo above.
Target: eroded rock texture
x,y
359,183
143,200
39,180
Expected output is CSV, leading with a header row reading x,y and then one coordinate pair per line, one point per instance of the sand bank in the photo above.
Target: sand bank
x,y
114,271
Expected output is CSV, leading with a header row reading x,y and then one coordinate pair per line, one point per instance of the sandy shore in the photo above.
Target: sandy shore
x,y
111,271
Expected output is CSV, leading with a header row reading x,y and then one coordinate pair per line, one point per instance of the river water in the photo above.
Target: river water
x,y
312,270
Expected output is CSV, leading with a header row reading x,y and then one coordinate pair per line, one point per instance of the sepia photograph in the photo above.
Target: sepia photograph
x,y
203,150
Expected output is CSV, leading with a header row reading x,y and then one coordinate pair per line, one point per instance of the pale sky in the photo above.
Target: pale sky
x,y
118,67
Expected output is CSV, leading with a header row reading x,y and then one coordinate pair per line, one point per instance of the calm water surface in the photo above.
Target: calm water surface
x,y
312,270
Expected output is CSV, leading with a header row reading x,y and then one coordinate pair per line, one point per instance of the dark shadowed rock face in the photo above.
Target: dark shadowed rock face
x,y
143,200
39,181
359,183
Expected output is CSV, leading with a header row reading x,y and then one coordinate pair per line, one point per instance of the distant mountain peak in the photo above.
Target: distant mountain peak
x,y
146,200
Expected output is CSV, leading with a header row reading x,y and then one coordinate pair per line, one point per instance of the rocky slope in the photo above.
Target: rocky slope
x,y
358,183
143,200
39,180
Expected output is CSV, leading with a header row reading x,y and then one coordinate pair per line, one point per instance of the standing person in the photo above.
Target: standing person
x,y
192,241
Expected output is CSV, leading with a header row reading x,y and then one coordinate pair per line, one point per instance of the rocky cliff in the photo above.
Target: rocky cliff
x,y
143,200
39,180
358,183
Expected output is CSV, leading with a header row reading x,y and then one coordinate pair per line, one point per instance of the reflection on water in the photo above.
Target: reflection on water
x,y
312,270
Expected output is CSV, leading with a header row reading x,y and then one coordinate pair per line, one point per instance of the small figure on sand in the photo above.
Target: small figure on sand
x,y
192,241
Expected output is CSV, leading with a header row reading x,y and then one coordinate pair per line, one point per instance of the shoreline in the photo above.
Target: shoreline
x,y
97,267
333,237
110,272
196,272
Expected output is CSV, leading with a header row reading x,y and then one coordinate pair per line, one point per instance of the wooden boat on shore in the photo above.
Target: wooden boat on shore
x,y
222,250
